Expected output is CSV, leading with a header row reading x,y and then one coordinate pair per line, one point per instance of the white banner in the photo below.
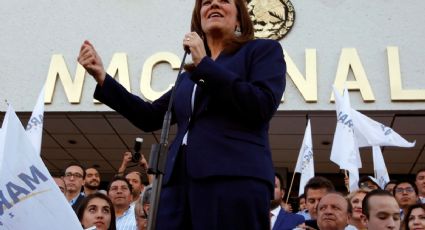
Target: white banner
x,y
381,173
1,144
34,127
305,162
372,133
29,198
345,151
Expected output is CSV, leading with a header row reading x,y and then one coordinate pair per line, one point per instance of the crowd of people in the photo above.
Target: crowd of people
x,y
222,104
219,170
124,205
399,205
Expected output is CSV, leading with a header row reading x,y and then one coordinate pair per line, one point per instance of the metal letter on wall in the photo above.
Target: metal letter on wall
x,y
397,91
59,69
146,78
308,85
350,58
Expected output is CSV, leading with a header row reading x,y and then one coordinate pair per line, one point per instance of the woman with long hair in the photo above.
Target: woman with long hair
x,y
415,217
219,171
97,210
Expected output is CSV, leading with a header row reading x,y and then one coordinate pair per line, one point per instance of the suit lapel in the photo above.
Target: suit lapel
x,y
201,101
182,100
279,220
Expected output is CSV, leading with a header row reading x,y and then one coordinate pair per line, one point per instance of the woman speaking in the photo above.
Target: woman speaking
x,y
219,172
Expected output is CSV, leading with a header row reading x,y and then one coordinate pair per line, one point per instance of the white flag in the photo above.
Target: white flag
x,y
371,133
379,167
34,127
1,140
29,198
305,163
345,151
2,137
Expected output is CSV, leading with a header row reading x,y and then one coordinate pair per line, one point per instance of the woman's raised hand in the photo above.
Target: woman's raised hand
x,y
91,61
195,44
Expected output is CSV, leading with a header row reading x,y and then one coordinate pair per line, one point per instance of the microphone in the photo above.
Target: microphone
x,y
186,49
135,156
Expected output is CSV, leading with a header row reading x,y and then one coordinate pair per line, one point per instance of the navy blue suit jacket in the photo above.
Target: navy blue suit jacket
x,y
77,202
287,221
228,131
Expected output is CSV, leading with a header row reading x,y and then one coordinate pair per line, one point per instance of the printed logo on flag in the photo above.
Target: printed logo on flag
x,y
35,123
20,190
307,157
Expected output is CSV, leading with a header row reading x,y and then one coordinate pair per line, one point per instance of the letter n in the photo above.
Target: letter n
x,y
59,69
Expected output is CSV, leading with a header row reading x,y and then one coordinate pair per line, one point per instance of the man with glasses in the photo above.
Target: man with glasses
x,y
406,194
73,178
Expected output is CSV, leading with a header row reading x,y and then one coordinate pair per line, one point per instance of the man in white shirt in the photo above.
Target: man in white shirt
x,y
279,218
73,178
119,190
332,212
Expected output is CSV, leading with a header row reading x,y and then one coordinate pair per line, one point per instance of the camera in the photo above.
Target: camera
x,y
135,155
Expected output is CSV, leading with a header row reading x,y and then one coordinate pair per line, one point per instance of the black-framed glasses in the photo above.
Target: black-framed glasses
x,y
75,175
402,190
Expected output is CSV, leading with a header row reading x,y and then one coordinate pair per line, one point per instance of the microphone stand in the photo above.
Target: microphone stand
x,y
158,155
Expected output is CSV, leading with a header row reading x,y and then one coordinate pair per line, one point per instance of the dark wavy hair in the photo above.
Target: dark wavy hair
x,y
318,182
409,211
233,44
121,178
83,205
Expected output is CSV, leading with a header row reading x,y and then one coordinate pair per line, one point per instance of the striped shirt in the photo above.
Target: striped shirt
x,y
128,220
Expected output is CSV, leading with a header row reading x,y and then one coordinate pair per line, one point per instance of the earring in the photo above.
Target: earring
x,y
238,31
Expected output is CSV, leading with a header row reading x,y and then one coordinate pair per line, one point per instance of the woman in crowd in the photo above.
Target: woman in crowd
x,y
415,217
97,210
356,198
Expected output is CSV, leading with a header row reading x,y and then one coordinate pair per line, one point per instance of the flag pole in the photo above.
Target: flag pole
x,y
347,185
290,187
293,175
